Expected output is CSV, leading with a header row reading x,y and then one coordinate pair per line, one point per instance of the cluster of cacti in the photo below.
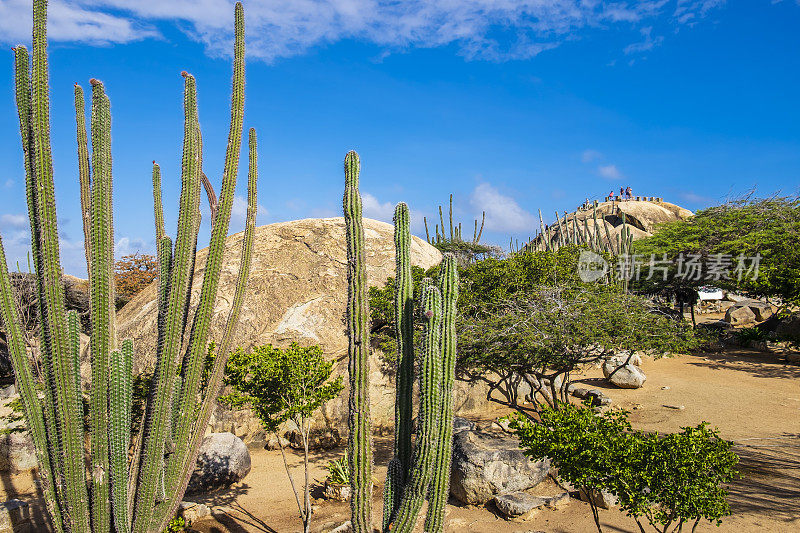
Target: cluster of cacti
x,y
575,232
422,472
122,495
456,234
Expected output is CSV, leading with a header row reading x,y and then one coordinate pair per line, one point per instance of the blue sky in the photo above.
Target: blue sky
x,y
512,106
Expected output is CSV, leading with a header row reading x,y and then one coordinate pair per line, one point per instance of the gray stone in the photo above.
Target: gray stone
x,y
739,316
625,376
15,517
519,505
222,461
485,465
462,424
601,498
598,398
17,452
789,328
192,512
579,392
622,358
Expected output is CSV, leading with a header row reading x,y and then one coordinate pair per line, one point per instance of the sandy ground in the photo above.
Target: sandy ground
x,y
752,397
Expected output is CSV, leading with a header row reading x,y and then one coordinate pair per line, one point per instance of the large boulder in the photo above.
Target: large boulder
x,y
485,465
297,292
623,376
789,328
223,460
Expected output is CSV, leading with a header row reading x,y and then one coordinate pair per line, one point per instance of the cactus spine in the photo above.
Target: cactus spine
x,y
123,493
359,441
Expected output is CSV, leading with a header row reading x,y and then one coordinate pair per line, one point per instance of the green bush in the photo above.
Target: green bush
x,y
338,471
671,480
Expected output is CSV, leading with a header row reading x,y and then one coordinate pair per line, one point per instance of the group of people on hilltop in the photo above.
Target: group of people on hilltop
x,y
625,193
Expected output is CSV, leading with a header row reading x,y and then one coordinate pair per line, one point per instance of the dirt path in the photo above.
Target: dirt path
x,y
751,397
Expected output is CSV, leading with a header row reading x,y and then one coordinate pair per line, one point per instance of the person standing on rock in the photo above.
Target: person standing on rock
x,y
628,193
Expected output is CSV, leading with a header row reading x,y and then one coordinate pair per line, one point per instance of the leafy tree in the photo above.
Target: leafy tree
x,y
671,481
544,333
134,272
283,386
720,235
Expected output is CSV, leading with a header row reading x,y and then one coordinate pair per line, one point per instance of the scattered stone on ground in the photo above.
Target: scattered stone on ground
x,y
598,398
625,376
522,506
665,387
347,527
222,461
602,499
192,512
676,407
15,517
8,391
336,492
485,465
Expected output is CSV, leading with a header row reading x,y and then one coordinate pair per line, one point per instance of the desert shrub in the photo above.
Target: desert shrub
x,y
134,272
544,333
283,385
670,480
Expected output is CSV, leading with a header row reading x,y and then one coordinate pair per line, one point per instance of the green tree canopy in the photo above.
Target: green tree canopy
x,y
725,237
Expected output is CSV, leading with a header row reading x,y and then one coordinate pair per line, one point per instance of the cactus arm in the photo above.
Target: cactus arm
x,y
359,447
24,104
119,410
480,231
440,481
427,234
451,216
26,384
441,221
101,308
158,208
169,351
54,339
167,511
84,171
404,330
545,236
430,377
198,344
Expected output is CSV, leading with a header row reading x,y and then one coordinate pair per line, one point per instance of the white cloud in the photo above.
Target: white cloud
x,y
239,208
591,155
9,183
648,43
123,246
71,21
503,213
373,208
481,29
610,172
14,221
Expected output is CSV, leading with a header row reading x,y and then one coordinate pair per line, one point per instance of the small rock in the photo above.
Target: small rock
x,y
503,424
222,461
558,501
340,493
598,398
462,424
676,407
347,527
665,388
625,376
518,505
15,517
602,499
191,511
8,392
580,393
739,316
275,443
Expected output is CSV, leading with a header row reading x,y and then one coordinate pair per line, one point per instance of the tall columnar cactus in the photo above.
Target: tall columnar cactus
x,y
359,448
121,495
